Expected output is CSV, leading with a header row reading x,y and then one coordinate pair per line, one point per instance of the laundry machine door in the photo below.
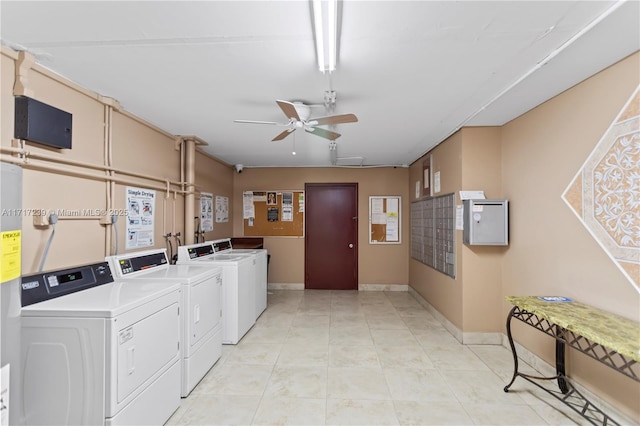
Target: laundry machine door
x,y
63,370
146,347
204,310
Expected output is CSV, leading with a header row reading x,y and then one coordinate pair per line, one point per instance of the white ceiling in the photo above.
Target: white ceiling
x,y
412,71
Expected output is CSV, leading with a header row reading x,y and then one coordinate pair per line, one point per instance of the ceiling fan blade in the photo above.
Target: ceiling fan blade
x,y
333,119
259,122
323,133
289,110
283,135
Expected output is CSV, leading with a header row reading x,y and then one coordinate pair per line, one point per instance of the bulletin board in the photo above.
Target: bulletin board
x,y
266,214
385,219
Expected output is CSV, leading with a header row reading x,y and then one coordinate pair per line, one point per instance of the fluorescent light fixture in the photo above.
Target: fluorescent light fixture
x,y
325,23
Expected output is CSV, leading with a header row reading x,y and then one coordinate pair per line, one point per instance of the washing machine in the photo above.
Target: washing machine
x,y
201,312
259,273
97,351
238,290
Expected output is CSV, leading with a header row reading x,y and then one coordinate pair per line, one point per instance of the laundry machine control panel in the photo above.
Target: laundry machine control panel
x,y
49,285
199,251
222,245
144,262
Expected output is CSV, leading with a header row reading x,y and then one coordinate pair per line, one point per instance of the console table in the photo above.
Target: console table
x,y
608,338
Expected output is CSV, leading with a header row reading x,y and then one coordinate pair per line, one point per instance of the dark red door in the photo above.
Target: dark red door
x,y
331,236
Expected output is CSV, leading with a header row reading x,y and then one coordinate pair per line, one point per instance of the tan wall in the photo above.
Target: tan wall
x,y
551,252
215,177
377,264
530,161
137,147
441,291
481,265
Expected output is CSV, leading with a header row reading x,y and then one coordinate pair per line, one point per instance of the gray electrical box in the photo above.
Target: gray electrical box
x,y
486,222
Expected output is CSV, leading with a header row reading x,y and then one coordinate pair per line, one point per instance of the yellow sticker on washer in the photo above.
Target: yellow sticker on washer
x,y
10,245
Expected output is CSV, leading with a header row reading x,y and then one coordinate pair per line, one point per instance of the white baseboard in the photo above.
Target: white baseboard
x,y
285,286
383,287
361,287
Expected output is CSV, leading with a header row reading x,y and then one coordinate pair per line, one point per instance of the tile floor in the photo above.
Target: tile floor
x,y
362,358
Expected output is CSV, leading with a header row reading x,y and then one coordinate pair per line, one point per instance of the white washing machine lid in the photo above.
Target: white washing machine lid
x,y
185,274
105,301
231,257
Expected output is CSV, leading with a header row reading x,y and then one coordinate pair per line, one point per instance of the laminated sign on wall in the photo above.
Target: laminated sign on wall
x,y
140,217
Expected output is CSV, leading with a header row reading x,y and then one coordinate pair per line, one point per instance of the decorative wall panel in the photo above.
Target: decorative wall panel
x,y
605,194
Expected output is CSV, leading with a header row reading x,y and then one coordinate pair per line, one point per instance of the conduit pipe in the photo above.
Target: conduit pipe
x,y
43,166
108,184
189,146
49,158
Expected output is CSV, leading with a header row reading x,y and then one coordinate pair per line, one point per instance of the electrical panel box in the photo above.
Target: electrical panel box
x,y
486,222
38,122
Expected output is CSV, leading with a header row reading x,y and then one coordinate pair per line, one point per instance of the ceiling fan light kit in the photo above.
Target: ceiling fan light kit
x,y
299,118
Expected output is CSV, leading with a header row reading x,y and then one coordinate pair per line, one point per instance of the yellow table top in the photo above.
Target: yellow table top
x,y
609,330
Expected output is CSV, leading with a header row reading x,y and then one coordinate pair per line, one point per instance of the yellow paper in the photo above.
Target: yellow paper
x,y
10,255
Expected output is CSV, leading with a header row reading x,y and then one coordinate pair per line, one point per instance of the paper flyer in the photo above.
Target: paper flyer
x,y
140,204
222,209
206,211
248,211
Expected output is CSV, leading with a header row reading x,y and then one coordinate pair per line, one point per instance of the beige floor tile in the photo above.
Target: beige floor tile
x,y
220,410
233,379
311,321
455,358
311,359
364,356
360,412
304,355
291,411
423,323
297,382
410,384
386,322
357,383
479,387
308,336
255,353
503,414
436,338
427,413
393,337
350,335
411,356
262,334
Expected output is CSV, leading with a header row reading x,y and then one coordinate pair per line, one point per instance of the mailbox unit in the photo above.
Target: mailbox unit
x,y
486,222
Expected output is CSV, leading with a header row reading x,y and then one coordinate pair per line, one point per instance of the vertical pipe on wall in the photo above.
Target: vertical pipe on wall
x,y
108,187
189,198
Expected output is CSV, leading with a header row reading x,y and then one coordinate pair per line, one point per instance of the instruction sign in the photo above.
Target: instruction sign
x,y
10,250
141,207
206,211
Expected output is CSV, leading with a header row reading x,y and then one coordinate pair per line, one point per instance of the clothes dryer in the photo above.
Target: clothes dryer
x,y
98,351
238,290
201,311
259,271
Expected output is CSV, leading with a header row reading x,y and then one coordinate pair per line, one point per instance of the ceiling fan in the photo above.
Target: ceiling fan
x,y
298,115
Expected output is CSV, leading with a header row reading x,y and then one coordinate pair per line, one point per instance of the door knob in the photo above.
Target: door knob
x,y
350,245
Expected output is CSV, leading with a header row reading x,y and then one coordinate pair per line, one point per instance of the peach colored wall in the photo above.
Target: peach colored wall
x,y
530,161
377,264
551,252
215,177
441,291
136,147
481,265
